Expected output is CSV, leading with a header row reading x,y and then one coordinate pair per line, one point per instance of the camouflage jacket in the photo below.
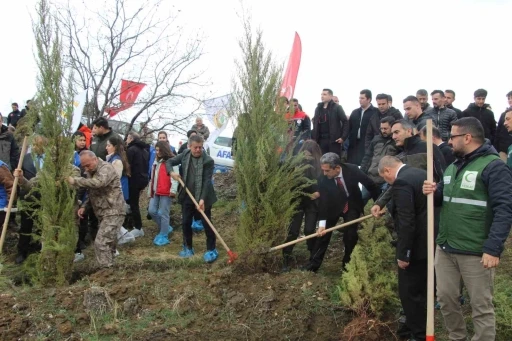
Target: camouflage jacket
x,y
104,190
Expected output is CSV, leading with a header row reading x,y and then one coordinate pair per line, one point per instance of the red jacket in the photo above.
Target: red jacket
x,y
163,185
88,135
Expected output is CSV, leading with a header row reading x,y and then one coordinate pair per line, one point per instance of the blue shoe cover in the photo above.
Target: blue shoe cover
x,y
211,256
186,252
161,240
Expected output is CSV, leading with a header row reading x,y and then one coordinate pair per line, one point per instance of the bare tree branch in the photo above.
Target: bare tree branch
x,y
139,42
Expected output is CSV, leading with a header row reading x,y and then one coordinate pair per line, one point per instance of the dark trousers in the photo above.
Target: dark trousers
x,y
93,225
188,210
350,238
25,243
83,227
2,218
133,201
412,289
309,211
327,146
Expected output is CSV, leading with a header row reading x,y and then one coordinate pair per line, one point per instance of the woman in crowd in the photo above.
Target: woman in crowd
x,y
308,205
160,193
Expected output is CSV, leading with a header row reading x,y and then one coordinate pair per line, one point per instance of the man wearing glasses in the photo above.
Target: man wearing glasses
x,y
476,211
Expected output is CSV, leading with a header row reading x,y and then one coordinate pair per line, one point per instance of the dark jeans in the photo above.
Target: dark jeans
x,y
133,201
310,211
93,225
327,146
350,238
412,289
83,227
188,210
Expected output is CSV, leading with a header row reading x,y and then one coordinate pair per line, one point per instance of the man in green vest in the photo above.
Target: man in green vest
x,y
476,216
508,126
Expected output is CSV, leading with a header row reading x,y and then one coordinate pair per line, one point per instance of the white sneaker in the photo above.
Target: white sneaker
x,y
116,254
124,236
79,257
136,233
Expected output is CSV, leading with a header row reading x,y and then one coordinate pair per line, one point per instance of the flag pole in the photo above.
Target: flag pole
x,y
430,236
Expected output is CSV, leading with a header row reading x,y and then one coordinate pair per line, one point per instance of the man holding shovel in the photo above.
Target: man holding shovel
x,y
476,211
197,176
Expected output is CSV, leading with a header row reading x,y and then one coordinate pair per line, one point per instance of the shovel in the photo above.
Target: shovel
x,y
13,195
314,235
232,255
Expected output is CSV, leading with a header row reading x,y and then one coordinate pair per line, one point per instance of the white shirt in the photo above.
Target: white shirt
x,y
398,171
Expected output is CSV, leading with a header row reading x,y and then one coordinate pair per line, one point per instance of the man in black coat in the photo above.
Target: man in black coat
x,y
330,124
450,98
503,139
32,163
410,217
444,147
138,158
482,112
358,124
14,116
340,196
375,121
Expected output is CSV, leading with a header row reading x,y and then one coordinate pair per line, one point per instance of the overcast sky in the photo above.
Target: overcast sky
x,y
395,46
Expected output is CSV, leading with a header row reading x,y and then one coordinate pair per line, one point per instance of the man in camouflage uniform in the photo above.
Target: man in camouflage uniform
x,y
106,199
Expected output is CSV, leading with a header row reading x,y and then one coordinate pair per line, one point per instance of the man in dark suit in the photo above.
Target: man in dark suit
x,y
358,125
330,124
340,196
197,176
444,147
410,216
32,163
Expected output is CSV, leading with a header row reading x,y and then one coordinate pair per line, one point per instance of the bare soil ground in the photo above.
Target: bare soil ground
x,y
152,294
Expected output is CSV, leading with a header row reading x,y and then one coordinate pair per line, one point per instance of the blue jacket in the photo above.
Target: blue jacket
x,y
4,198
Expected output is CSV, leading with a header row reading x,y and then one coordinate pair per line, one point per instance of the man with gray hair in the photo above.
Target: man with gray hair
x,y
410,217
138,158
106,199
201,129
340,196
197,177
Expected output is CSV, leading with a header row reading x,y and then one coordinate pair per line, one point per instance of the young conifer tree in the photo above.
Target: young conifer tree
x,y
55,214
268,178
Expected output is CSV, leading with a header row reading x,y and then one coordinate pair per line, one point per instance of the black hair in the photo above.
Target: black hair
x,y
411,99
480,93
367,93
440,92
451,92
382,96
421,92
388,119
329,91
101,122
472,126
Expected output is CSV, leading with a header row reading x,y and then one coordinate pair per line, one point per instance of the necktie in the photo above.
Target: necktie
x,y
342,188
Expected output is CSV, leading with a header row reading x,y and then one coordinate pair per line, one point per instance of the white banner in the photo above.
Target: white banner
x,y
78,108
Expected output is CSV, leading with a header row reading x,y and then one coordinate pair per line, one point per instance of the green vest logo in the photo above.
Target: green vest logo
x,y
469,180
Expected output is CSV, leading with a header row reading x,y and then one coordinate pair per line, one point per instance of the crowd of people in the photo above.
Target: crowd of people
x,y
387,154
376,147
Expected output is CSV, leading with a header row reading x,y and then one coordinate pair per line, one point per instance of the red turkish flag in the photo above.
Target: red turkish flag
x,y
292,69
129,92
